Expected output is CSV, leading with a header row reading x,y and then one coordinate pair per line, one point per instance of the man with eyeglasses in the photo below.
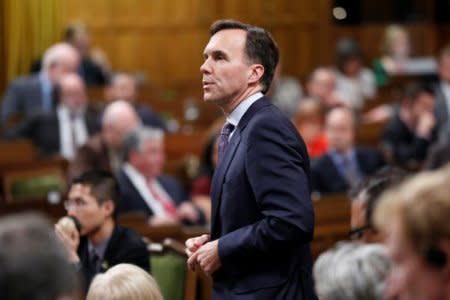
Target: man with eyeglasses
x,y
101,243
364,200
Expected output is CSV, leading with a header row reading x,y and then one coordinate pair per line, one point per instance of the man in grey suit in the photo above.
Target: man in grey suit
x,y
29,95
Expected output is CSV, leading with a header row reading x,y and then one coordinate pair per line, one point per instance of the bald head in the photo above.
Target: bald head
x,y
73,93
59,60
119,119
340,129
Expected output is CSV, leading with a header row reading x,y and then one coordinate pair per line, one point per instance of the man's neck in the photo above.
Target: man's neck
x,y
102,233
229,107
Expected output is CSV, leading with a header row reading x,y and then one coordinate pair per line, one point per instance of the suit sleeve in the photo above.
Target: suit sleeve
x,y
10,103
276,173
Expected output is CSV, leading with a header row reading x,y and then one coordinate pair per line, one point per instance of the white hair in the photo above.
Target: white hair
x,y
352,271
124,282
58,53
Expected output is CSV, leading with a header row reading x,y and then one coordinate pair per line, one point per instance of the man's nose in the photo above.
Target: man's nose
x,y
205,67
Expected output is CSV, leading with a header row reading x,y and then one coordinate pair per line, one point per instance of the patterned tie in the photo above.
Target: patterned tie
x,y
166,203
350,172
224,137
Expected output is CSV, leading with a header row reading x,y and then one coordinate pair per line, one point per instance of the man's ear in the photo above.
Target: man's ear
x,y
256,72
109,207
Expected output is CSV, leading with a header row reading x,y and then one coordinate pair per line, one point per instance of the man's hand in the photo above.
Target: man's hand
x,y
187,211
193,244
162,221
206,257
71,243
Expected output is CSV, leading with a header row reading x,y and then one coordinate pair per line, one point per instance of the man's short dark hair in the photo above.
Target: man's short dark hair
x,y
33,263
374,186
260,47
103,185
414,89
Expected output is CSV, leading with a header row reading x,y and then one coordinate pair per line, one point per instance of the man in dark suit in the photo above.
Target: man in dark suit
x,y
442,91
262,217
29,95
92,199
64,130
344,165
143,187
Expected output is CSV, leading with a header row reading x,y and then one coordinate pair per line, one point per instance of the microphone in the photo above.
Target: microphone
x,y
68,224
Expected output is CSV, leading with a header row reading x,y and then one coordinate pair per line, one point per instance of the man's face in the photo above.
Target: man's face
x,y
322,85
151,158
83,205
411,278
225,69
122,88
340,130
73,93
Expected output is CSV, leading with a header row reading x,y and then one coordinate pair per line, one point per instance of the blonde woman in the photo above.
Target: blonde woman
x,y
124,282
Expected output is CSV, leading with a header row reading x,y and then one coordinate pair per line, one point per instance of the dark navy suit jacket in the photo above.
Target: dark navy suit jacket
x,y
132,201
326,178
261,210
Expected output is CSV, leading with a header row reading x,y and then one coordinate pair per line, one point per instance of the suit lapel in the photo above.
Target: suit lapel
x,y
219,174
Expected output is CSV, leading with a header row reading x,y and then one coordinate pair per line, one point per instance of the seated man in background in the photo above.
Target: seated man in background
x,y
101,243
144,188
321,86
123,86
62,131
34,264
415,219
102,150
364,200
344,165
35,93
411,130
352,271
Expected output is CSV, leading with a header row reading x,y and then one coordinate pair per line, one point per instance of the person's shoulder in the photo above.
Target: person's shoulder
x,y
169,180
128,236
24,81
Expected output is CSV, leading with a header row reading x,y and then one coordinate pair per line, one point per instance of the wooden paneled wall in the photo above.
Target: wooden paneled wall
x,y
164,39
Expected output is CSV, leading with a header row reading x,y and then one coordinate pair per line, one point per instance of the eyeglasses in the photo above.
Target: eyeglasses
x,y
357,233
75,204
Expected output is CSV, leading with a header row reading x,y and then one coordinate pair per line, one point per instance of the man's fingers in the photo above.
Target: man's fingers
x,y
192,262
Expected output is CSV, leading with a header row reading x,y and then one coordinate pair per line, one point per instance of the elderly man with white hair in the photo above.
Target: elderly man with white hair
x,y
352,271
35,93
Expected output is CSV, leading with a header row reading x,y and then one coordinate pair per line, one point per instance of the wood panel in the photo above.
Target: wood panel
x,y
164,39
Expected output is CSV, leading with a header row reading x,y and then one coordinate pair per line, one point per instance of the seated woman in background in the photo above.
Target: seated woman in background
x,y
201,187
352,271
309,122
396,59
124,282
354,82
396,51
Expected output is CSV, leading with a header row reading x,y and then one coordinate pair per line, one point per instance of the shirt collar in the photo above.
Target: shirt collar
x,y
338,158
237,114
100,249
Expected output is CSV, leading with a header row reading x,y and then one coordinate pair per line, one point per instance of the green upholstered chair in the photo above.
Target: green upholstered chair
x,y
169,269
